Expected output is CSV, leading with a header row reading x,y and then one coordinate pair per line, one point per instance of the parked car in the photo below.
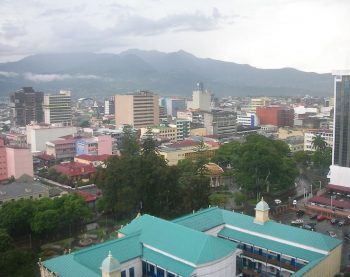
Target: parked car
x,y
334,221
321,217
314,216
308,227
297,222
342,222
332,234
277,201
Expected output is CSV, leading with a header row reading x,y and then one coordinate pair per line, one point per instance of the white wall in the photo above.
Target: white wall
x,y
221,268
339,176
39,137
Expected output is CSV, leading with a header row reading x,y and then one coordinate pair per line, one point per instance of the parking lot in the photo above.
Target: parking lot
x,y
322,227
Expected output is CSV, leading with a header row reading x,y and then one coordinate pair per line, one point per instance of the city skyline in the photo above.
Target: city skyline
x,y
272,34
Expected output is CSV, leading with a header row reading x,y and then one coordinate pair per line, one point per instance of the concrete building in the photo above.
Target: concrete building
x,y
247,120
139,109
109,107
201,99
94,160
340,168
259,102
212,242
15,162
38,135
275,115
61,148
186,149
22,190
58,108
26,105
99,145
183,127
309,135
220,123
162,131
173,105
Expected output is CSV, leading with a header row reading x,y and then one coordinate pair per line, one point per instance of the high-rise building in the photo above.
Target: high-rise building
x,y
26,106
183,129
220,123
173,105
140,109
109,107
259,102
275,115
201,99
58,108
340,169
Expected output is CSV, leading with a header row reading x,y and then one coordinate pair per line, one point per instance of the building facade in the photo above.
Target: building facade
x,y
340,169
183,127
98,145
109,107
26,105
220,123
212,242
61,148
201,99
275,115
139,109
309,135
58,108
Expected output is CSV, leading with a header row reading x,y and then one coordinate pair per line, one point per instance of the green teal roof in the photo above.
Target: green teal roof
x,y
212,217
167,263
87,262
180,241
275,246
262,206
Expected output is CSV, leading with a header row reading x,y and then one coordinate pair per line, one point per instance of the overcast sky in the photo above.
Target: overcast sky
x,y
311,35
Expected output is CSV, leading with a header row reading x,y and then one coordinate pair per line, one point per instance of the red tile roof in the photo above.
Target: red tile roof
x,y
184,143
88,197
45,157
327,201
339,188
75,169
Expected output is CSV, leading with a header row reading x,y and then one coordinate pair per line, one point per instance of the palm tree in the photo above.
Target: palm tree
x,y
319,143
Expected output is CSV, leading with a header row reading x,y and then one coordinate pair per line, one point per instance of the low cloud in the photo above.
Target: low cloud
x,y
44,78
8,74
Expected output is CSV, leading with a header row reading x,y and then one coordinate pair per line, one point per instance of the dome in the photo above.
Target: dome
x,y
110,264
214,169
262,205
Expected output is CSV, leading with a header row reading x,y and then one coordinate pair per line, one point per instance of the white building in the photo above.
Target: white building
x,y
327,135
201,100
248,120
58,108
38,135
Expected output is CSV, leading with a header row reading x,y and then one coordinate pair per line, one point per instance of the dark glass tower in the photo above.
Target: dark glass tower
x,y
341,148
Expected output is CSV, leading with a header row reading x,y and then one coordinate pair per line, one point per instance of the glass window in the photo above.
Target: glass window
x,y
123,273
131,272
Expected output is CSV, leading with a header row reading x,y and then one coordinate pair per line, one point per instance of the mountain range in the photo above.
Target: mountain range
x,y
89,74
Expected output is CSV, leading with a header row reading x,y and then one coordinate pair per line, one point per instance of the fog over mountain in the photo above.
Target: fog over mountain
x,y
164,73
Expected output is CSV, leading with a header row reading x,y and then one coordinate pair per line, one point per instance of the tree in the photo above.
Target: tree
x,y
85,124
319,143
149,144
129,144
322,159
264,165
6,241
227,154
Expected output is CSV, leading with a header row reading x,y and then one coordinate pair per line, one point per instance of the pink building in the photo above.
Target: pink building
x,y
104,145
19,162
15,161
100,145
3,162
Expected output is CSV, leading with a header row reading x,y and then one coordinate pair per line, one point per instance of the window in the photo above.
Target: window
x,y
123,273
131,272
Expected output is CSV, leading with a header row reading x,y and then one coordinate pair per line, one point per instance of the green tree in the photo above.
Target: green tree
x,y
6,242
227,154
85,124
302,158
129,144
319,143
45,221
149,144
17,263
322,159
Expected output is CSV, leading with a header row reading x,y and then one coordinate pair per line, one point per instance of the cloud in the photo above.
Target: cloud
x,y
10,30
43,78
197,21
54,12
8,74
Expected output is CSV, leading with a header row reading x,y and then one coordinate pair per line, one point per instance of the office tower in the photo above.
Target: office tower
x,y
340,169
58,108
140,109
275,115
220,123
173,105
109,107
201,99
183,129
26,106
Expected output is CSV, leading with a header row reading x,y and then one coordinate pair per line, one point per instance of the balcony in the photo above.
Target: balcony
x,y
272,260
